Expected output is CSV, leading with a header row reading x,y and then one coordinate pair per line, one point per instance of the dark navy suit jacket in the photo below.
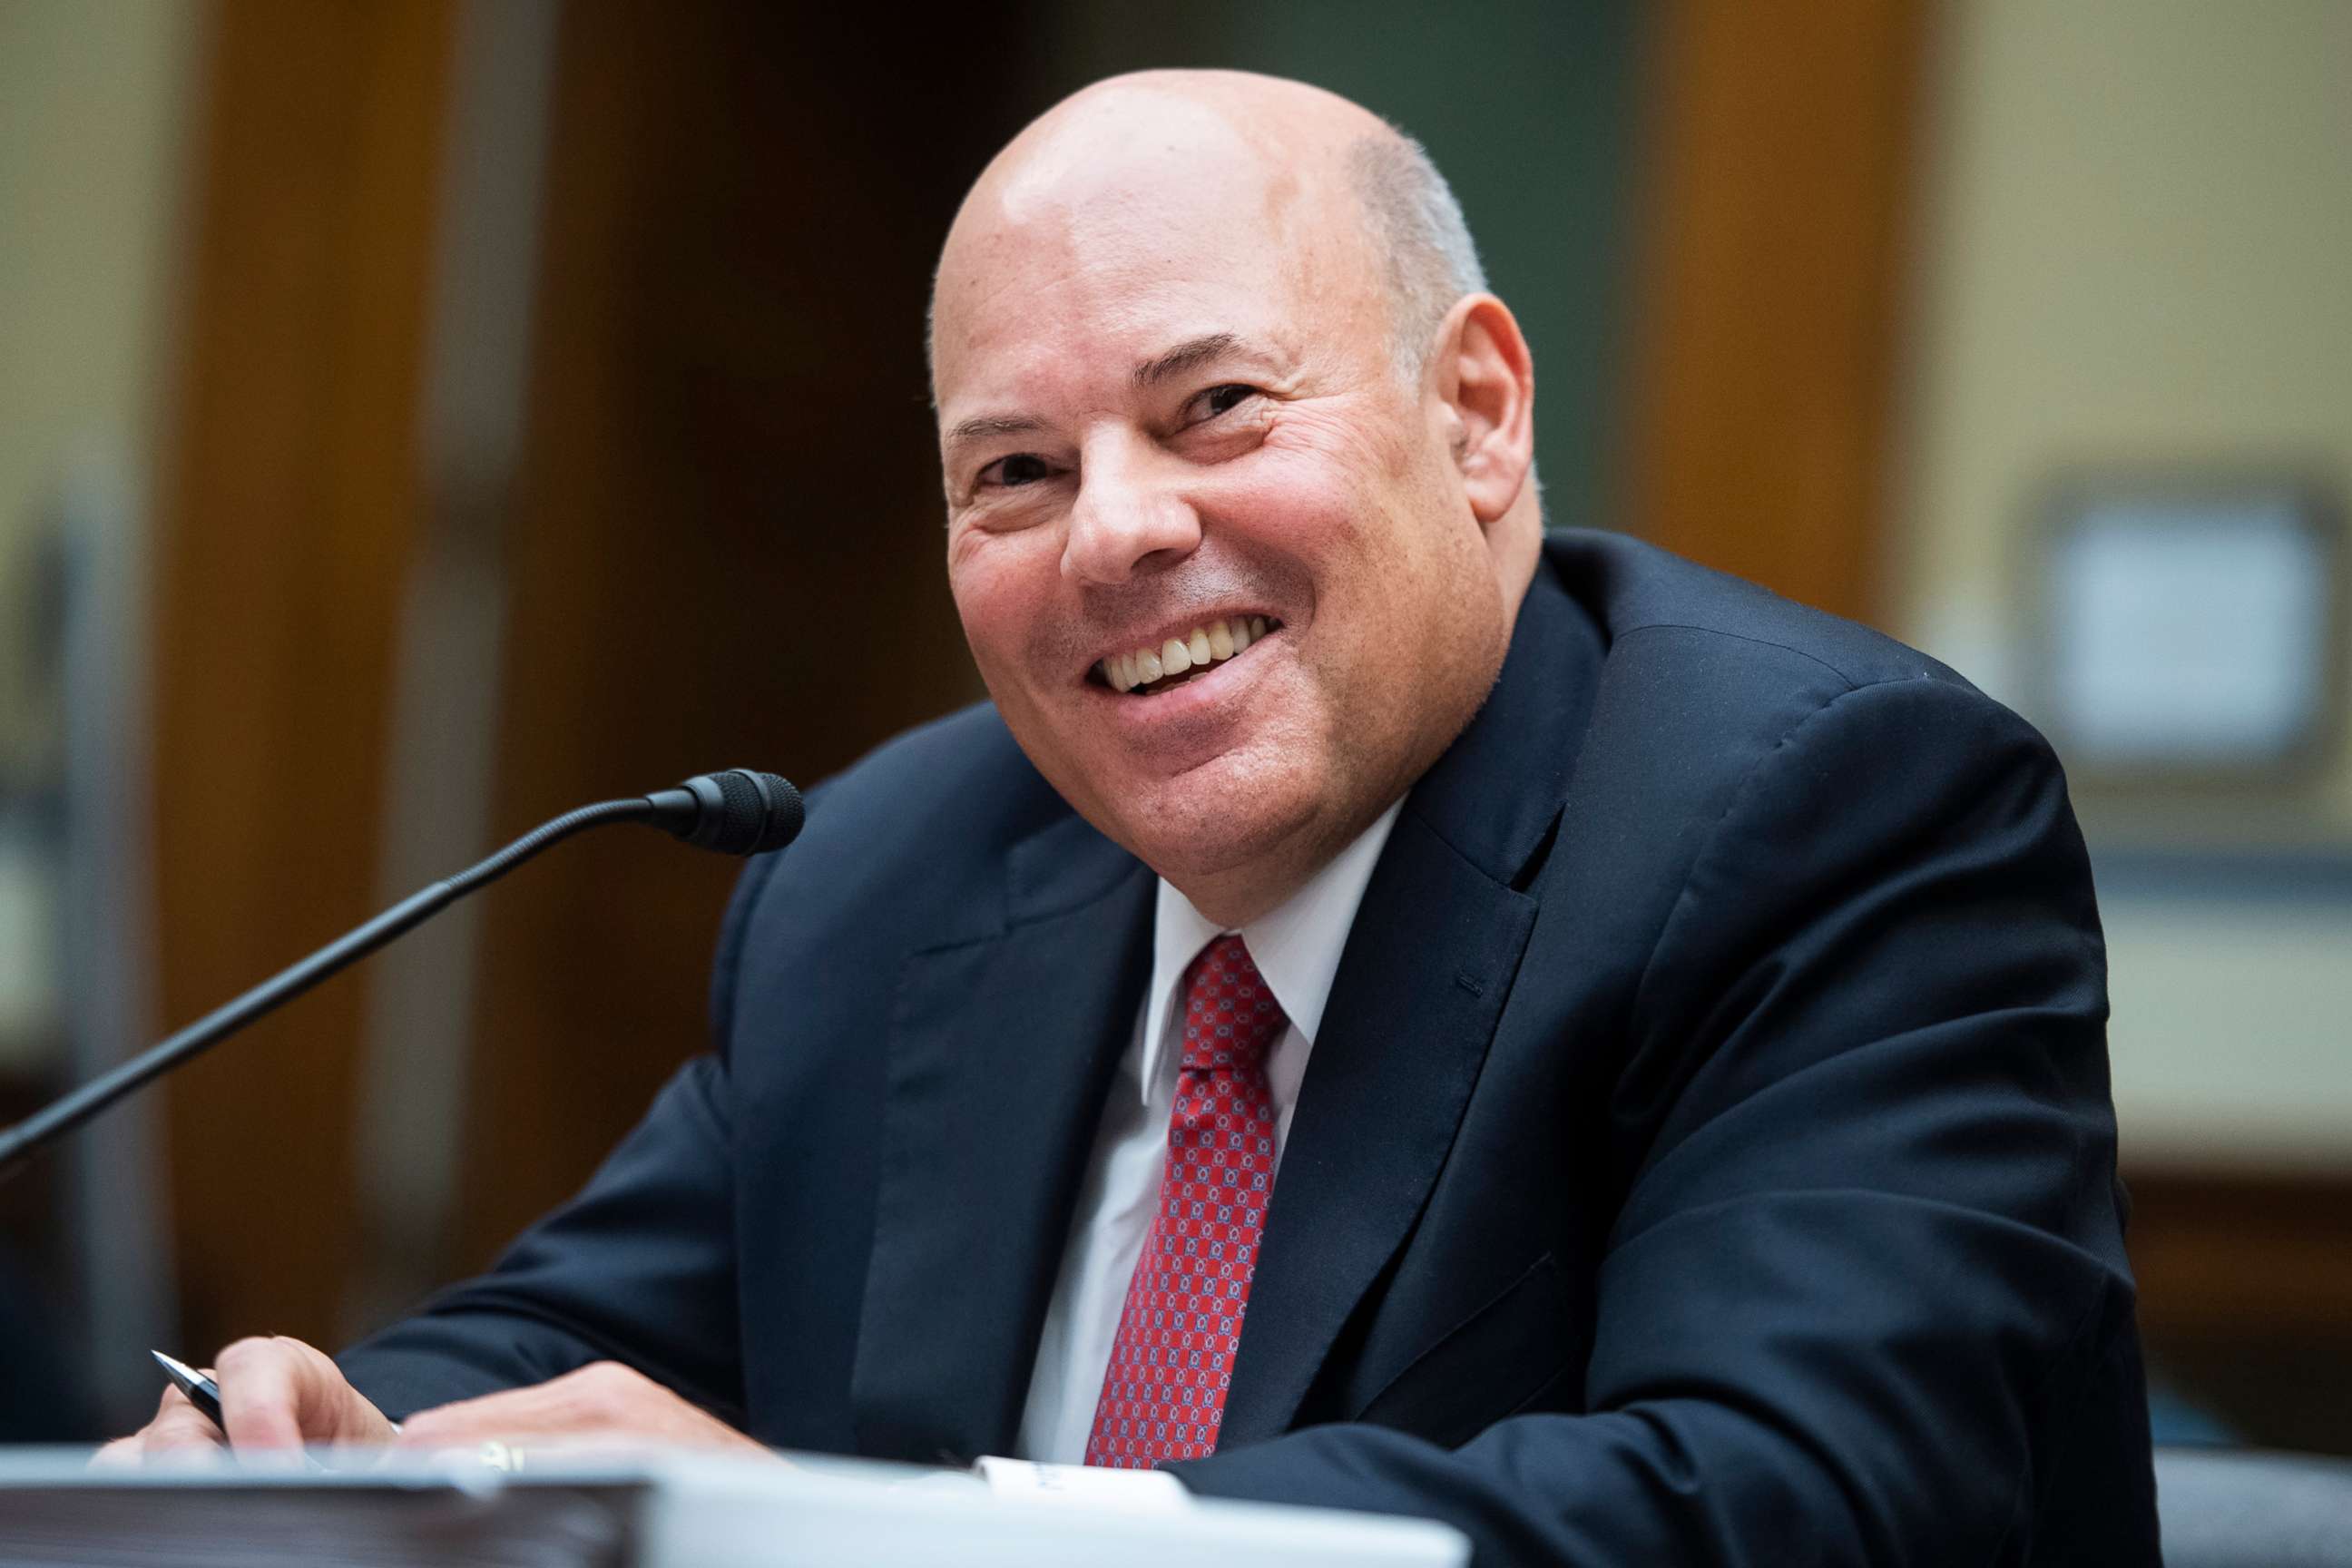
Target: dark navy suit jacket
x,y
1706,1155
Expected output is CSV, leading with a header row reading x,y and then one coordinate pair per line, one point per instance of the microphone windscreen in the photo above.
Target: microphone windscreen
x,y
756,812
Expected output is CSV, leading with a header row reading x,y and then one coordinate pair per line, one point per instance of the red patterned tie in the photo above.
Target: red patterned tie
x,y
1164,1393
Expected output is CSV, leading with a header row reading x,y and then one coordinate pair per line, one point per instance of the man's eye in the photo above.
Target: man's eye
x,y
1020,469
1224,399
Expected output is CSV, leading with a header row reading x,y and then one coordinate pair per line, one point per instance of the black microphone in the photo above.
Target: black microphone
x,y
738,811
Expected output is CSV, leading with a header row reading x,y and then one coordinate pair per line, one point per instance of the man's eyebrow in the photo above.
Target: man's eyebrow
x,y
990,424
1184,356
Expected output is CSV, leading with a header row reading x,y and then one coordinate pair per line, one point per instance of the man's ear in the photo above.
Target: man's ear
x,y
1487,380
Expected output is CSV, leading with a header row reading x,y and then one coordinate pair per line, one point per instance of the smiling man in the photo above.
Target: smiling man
x,y
1203,356
1385,1007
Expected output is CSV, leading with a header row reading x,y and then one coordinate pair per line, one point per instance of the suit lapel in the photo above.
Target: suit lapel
x,y
1001,1052
1422,982
1418,992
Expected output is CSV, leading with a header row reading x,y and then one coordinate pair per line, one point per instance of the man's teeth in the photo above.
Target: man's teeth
x,y
1213,642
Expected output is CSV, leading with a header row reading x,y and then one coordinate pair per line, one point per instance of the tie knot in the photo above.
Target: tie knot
x,y
1230,1015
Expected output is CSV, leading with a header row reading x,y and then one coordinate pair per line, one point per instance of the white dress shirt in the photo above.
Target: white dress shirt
x,y
1296,948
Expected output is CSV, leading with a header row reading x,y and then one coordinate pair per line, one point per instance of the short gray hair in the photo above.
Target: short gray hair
x,y
1423,241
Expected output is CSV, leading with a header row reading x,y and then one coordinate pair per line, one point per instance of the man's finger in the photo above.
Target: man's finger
x,y
122,1454
260,1394
179,1427
545,1408
179,1430
602,1398
279,1393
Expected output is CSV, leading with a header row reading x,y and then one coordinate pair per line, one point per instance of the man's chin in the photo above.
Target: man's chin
x,y
1213,823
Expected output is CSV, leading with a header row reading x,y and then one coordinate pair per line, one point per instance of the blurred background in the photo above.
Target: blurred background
x,y
419,417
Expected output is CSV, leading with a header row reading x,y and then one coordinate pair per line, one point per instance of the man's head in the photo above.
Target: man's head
x,y
1209,352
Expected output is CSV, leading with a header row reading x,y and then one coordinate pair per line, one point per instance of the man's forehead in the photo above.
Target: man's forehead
x,y
1118,249
1117,203
1124,245
1110,303
1108,145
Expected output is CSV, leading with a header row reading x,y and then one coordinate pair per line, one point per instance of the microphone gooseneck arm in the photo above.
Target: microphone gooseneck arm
x,y
19,1142
56,1120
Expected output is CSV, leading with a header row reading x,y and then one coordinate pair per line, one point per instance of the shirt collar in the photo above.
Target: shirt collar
x,y
1296,945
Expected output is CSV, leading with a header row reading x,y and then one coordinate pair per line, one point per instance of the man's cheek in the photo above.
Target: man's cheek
x,y
1341,435
1303,516
1002,614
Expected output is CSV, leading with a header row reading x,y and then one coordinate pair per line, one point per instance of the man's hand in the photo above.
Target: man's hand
x,y
276,1394
604,1406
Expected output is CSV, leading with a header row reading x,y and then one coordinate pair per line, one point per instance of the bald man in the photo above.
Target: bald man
x,y
1385,1007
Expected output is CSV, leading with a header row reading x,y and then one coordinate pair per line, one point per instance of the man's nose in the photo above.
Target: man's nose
x,y
1127,511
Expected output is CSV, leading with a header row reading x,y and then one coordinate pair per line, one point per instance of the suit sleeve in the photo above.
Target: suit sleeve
x,y
637,1268
1865,1300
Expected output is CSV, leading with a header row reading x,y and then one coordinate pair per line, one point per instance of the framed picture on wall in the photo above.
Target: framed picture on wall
x,y
2190,627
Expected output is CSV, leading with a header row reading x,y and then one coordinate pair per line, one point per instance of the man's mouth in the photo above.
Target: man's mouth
x,y
1148,671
